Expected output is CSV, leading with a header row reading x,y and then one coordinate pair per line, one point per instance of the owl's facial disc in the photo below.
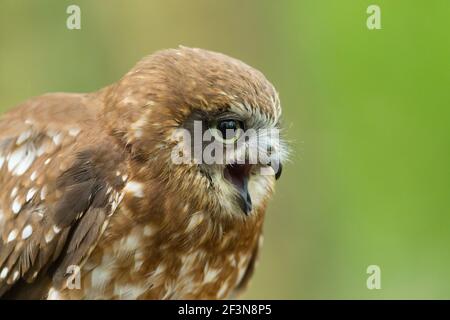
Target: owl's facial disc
x,y
238,175
232,150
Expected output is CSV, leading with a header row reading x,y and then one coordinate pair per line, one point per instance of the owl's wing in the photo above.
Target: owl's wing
x,y
57,193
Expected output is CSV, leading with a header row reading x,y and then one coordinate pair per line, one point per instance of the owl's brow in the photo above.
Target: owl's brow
x,y
254,115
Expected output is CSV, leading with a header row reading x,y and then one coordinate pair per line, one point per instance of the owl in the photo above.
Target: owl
x,y
95,204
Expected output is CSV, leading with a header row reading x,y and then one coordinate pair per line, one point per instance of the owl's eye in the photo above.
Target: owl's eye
x,y
227,131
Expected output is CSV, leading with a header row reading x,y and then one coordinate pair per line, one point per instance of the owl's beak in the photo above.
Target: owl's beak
x,y
238,175
278,169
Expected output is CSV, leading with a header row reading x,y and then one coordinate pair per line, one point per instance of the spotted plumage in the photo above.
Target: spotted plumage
x,y
87,180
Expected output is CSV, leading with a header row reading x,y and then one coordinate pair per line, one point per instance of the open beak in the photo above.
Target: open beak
x,y
238,175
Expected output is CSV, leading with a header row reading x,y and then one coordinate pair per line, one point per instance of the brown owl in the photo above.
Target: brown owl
x,y
94,205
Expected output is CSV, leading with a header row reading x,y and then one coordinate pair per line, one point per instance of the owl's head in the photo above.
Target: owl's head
x,y
206,126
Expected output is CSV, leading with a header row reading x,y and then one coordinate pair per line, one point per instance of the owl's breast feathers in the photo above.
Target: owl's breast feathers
x,y
72,195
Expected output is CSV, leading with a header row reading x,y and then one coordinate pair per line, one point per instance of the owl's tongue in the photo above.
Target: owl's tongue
x,y
238,175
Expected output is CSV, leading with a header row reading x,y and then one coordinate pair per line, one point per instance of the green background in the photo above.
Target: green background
x,y
366,113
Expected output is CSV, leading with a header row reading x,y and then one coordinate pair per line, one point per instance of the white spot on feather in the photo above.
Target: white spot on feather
x,y
156,277
23,137
4,273
210,274
27,232
56,137
100,277
74,131
138,126
196,219
12,236
41,150
16,206
33,176
21,159
136,188
30,194
232,260
56,229
149,230
53,294
43,192
187,262
159,270
49,236
131,242
223,290
138,260
14,192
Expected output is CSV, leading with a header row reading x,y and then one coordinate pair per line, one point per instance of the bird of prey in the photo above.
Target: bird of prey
x,y
92,205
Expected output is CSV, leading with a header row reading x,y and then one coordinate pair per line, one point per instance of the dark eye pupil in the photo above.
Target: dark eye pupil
x,y
225,125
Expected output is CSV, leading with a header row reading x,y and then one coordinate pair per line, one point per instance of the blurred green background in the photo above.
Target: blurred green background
x,y
366,112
